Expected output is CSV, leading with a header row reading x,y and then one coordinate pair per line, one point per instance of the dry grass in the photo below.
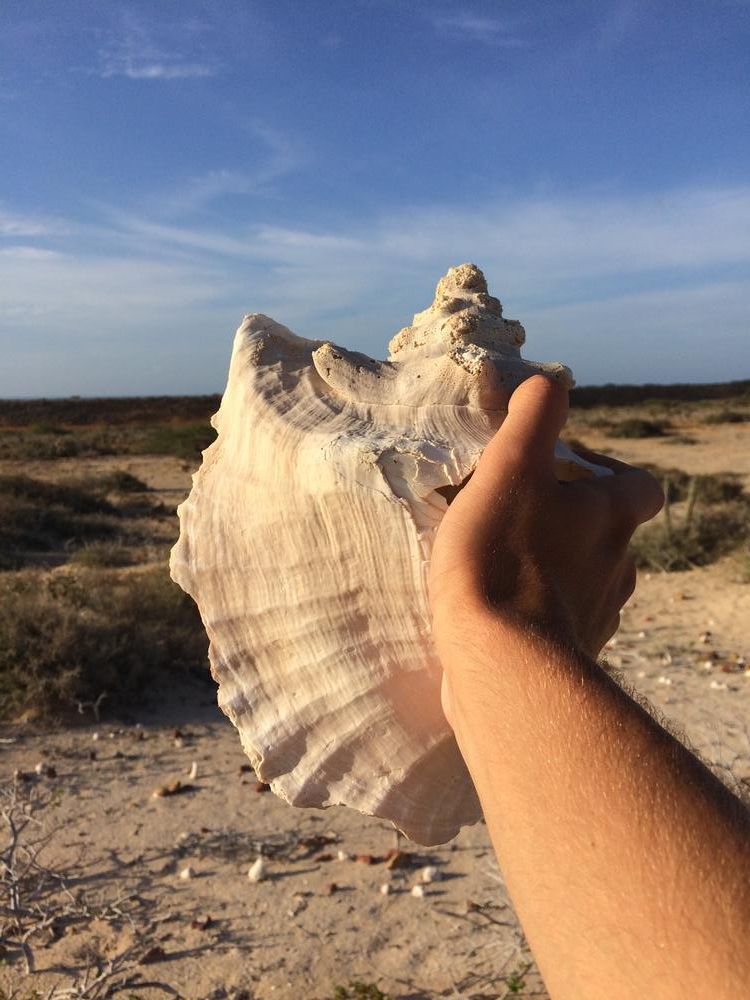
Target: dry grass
x,y
68,637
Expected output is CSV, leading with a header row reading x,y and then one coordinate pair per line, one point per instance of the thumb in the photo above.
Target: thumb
x,y
526,440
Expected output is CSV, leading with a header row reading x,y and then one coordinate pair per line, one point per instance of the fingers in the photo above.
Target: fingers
x,y
634,493
537,413
636,496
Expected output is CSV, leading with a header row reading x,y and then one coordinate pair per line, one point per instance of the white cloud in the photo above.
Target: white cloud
x,y
133,51
622,288
477,27
15,225
158,71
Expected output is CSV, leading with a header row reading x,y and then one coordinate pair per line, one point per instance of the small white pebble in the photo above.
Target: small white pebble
x,y
342,856
429,874
257,870
718,685
707,665
418,891
41,767
641,635
111,735
193,772
663,680
187,873
385,889
95,736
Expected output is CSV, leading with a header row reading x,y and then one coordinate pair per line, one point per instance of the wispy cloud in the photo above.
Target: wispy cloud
x,y
477,27
18,225
620,287
276,156
134,51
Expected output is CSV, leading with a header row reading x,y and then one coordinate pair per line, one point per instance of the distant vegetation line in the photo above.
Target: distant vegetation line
x,y
587,396
84,411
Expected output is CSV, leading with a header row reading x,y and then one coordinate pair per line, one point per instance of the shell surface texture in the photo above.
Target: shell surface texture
x,y
306,541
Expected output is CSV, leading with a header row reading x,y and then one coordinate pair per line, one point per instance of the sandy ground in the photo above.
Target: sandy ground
x,y
320,918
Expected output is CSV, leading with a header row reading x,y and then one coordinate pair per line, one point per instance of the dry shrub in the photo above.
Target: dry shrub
x,y
637,427
727,417
68,637
720,487
38,518
672,545
103,555
51,522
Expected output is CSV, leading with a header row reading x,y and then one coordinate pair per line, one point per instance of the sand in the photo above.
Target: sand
x,y
319,919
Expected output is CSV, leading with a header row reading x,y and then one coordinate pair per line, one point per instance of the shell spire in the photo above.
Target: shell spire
x,y
306,541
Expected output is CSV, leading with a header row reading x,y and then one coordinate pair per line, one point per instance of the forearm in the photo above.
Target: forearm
x,y
627,860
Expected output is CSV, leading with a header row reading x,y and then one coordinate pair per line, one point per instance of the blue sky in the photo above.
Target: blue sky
x,y
166,167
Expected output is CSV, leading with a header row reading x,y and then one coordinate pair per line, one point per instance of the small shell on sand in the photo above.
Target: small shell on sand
x,y
257,870
429,874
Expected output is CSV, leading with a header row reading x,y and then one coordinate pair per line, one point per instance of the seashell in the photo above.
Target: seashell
x,y
430,873
306,541
257,870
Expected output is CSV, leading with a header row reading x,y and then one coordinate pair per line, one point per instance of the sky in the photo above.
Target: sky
x,y
168,166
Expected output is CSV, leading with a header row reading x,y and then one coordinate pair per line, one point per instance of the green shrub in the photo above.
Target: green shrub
x,y
181,440
68,637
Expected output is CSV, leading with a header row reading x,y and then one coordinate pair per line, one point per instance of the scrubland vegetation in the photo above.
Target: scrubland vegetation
x,y
87,608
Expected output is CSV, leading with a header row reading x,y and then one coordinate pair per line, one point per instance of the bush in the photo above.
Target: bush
x,y
42,520
181,440
637,427
117,481
67,637
720,487
696,540
726,417
38,517
102,555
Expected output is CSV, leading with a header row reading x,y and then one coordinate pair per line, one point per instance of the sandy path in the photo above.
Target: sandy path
x,y
292,935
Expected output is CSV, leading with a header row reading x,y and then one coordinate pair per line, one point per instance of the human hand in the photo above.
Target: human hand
x,y
519,548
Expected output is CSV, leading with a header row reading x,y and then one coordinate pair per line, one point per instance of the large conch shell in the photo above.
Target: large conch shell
x,y
306,541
